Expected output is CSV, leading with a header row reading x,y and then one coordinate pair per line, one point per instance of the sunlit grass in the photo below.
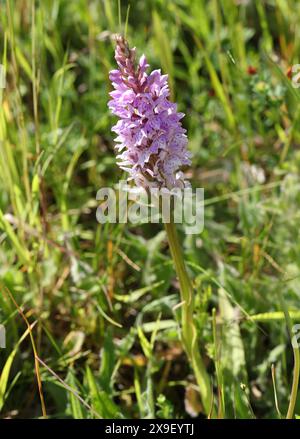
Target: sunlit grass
x,y
101,300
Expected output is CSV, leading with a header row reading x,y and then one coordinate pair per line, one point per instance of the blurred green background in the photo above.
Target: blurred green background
x,y
105,337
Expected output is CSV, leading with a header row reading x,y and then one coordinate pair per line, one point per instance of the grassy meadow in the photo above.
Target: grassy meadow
x,y
92,326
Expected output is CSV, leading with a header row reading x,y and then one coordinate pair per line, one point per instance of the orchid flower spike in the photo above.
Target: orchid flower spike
x,y
151,142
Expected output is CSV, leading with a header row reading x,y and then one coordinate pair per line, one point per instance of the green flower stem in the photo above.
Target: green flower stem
x,y
296,351
294,391
189,332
